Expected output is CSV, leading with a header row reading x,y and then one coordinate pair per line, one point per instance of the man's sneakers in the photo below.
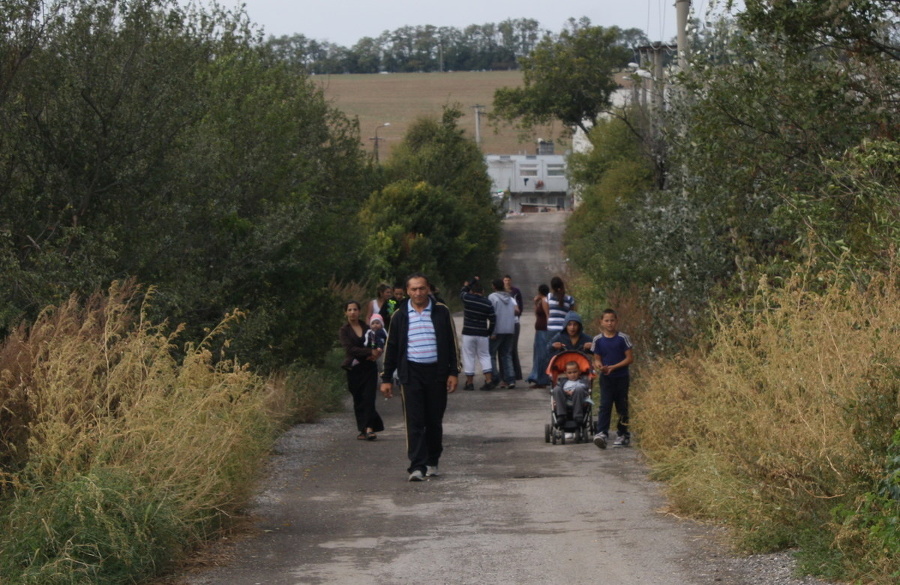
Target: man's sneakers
x,y
469,386
621,440
489,386
430,471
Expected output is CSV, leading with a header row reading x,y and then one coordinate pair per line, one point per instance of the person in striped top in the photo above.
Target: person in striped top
x,y
559,304
478,325
421,347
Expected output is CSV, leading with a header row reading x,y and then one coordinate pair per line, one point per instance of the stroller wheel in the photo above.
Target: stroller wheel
x,y
562,438
547,433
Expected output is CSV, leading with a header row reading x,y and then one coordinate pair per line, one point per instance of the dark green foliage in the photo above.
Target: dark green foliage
x,y
861,26
98,529
779,150
176,152
435,215
870,526
568,78
614,176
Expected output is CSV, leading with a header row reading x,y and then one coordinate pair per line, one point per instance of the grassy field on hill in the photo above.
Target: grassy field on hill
x,y
399,98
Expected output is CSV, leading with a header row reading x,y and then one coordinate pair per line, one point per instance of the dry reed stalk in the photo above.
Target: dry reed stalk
x,y
785,414
103,389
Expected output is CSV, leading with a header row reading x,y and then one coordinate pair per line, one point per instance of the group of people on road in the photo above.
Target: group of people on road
x,y
421,356
490,335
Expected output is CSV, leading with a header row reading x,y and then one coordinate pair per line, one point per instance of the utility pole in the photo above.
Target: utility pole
x,y
376,139
682,10
478,108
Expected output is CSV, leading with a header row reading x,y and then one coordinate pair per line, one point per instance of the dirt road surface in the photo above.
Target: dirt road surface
x,y
507,509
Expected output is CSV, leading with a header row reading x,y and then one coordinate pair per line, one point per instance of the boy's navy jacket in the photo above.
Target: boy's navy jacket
x,y
398,336
563,336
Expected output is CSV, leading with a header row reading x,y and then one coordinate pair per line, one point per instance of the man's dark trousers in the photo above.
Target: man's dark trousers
x,y
424,403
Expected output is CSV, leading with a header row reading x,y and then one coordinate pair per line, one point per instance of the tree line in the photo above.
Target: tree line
x,y
145,139
427,48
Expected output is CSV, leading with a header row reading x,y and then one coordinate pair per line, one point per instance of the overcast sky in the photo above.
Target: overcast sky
x,y
346,21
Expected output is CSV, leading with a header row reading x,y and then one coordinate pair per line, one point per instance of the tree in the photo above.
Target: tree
x,y
757,182
612,178
569,78
438,194
174,151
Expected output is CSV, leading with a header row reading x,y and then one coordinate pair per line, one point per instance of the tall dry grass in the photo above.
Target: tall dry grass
x,y
788,416
94,403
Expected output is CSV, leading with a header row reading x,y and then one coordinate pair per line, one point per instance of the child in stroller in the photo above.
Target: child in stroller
x,y
571,405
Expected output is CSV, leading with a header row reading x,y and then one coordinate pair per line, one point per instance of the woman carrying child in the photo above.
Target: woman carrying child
x,y
361,352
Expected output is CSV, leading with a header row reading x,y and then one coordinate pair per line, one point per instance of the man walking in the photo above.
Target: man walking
x,y
478,324
505,328
516,294
422,348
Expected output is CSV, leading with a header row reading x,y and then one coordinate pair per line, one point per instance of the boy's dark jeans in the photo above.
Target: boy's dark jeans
x,y
613,391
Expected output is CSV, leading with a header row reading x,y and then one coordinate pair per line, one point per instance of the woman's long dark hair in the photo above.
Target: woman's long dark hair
x,y
556,283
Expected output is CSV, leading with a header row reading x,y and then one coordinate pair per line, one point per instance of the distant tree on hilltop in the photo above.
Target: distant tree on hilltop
x,y
568,77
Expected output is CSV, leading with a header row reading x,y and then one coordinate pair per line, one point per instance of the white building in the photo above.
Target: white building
x,y
533,182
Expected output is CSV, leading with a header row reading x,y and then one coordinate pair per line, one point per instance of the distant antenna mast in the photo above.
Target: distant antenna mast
x,y
478,108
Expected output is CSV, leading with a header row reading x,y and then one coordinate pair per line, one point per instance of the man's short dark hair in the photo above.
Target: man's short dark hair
x,y
476,287
498,284
416,275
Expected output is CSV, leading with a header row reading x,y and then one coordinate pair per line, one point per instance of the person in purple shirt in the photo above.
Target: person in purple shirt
x,y
612,355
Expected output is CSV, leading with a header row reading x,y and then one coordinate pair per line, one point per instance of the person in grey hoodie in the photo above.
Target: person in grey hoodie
x,y
504,332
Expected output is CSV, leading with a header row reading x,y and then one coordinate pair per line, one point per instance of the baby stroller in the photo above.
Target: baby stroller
x,y
583,429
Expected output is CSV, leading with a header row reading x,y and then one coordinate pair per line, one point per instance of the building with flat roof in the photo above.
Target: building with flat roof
x,y
531,182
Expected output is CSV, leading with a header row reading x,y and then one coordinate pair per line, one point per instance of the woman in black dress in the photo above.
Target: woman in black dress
x,y
362,372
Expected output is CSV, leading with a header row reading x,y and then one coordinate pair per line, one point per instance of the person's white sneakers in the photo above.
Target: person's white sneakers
x,y
416,476
600,440
570,436
431,471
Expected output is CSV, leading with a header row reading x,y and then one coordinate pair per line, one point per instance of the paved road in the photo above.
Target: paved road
x,y
509,508
532,250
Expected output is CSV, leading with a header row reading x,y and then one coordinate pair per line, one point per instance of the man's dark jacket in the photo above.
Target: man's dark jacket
x,y
395,356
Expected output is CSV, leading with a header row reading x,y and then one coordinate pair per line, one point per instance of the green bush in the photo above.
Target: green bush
x,y
867,541
96,529
315,391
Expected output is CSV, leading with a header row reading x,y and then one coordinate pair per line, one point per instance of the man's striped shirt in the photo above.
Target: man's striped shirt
x,y
421,340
